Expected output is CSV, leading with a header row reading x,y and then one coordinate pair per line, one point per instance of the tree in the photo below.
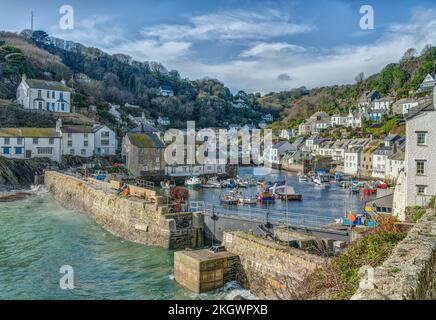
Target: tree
x,y
40,36
409,54
360,77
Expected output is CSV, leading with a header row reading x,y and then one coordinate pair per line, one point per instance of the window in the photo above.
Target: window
x,y
63,106
104,142
105,134
421,138
6,150
48,105
39,93
85,143
72,152
53,95
70,143
35,140
19,141
420,167
422,190
7,141
51,141
53,106
85,136
83,152
18,150
70,136
61,96
44,150
48,94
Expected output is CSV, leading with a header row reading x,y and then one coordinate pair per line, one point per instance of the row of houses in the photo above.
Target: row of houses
x,y
364,157
53,143
371,107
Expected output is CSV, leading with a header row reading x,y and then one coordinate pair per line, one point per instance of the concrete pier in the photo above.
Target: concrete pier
x,y
203,270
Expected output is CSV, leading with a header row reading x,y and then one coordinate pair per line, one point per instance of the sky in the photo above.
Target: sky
x,y
256,46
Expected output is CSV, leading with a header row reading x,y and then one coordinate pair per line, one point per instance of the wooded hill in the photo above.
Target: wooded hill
x,y
119,79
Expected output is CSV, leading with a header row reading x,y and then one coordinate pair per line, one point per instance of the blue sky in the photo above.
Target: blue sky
x,y
251,45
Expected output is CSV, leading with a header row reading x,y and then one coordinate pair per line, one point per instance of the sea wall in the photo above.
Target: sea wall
x,y
269,269
410,272
138,220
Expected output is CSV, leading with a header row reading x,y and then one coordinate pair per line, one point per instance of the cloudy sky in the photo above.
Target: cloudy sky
x,y
250,45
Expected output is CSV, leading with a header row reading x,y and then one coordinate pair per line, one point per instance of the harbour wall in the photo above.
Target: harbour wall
x,y
410,272
144,221
269,269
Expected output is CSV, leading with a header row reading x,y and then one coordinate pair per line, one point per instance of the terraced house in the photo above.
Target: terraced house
x,y
27,143
43,95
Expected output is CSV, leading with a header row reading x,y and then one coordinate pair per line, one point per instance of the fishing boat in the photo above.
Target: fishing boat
x,y
193,183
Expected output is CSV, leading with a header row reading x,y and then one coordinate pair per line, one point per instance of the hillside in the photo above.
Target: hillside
x,y
399,80
119,79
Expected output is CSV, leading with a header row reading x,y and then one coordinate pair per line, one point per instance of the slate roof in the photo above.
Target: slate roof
x,y
77,129
425,106
145,140
29,133
47,85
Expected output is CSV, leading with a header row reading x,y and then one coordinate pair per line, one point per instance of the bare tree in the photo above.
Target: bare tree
x,y
360,77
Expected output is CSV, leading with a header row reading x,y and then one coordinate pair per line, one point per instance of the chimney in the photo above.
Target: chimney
x,y
58,125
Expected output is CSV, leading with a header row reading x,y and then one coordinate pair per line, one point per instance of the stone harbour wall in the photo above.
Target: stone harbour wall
x,y
410,272
269,269
132,219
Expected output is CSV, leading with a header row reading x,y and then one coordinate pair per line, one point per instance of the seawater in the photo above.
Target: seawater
x,y
38,237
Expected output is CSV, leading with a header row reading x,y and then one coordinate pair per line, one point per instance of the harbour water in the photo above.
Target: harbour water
x,y
330,202
38,236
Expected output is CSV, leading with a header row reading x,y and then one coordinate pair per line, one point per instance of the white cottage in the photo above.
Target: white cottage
x,y
105,140
27,143
43,95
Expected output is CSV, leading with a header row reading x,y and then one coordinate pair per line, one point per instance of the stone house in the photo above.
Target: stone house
x,y
143,154
402,106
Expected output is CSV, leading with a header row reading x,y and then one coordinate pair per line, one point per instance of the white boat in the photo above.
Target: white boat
x,y
193,183
212,183
303,178
322,181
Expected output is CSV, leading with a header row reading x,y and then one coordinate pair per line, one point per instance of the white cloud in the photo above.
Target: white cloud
x,y
154,50
318,67
229,26
270,50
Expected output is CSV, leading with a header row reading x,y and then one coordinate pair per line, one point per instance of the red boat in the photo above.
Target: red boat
x,y
369,191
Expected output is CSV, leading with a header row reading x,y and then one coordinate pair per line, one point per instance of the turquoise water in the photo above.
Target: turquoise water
x,y
38,236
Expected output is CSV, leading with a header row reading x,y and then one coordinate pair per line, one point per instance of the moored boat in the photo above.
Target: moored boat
x,y
193,183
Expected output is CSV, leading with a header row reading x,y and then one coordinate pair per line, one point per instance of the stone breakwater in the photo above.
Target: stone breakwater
x,y
138,220
269,269
410,272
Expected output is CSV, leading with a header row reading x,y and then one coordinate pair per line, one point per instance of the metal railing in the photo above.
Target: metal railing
x,y
278,217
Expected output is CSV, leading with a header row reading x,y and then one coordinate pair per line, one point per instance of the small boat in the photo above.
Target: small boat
x,y
322,181
303,178
266,197
193,183
212,183
369,191
250,182
247,201
229,199
288,193
11,197
382,185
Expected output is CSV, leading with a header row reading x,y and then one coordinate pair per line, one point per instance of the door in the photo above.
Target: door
x,y
28,154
